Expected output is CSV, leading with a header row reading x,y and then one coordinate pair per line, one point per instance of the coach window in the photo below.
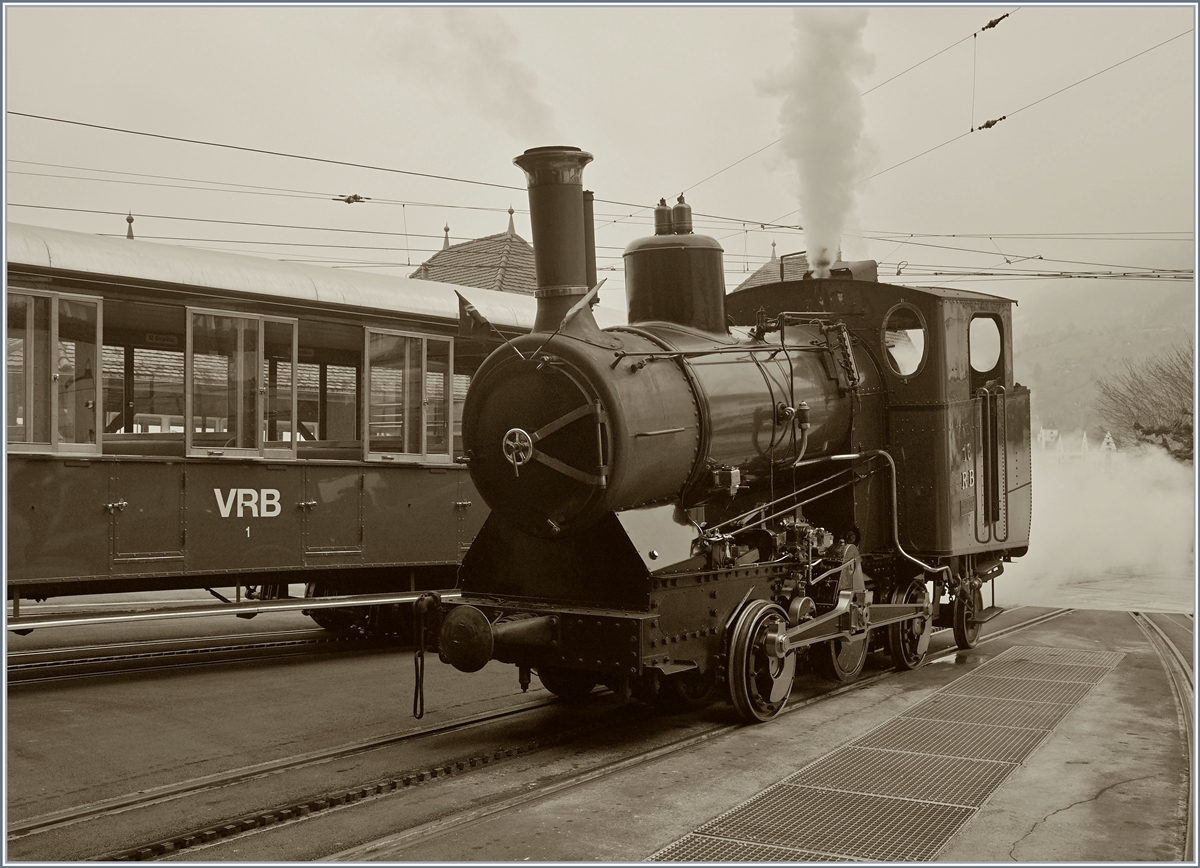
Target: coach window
x,y
53,369
143,355
904,340
986,347
241,385
328,376
409,396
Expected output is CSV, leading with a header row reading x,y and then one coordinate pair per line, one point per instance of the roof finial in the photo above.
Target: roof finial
x,y
511,229
129,231
446,241
772,251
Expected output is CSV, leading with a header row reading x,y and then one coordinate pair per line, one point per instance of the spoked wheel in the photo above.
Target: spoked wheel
x,y
759,683
693,689
967,605
909,640
843,659
566,685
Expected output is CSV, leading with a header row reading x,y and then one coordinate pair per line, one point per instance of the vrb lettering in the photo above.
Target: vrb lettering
x,y
253,502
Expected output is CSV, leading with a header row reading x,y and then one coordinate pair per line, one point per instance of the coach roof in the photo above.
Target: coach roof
x,y
59,250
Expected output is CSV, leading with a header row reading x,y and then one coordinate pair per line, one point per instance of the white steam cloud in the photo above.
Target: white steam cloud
x,y
822,122
473,56
1109,531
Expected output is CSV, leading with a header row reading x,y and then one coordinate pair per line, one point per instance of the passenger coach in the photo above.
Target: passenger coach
x,y
182,418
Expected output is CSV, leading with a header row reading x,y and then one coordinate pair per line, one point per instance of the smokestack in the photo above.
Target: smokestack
x,y
556,212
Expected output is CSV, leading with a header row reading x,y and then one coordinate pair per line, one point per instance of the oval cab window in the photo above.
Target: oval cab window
x,y
985,344
904,340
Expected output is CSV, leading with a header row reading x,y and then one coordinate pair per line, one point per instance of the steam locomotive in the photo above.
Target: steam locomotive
x,y
731,486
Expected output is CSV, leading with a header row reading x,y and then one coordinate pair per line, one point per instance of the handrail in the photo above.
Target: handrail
x,y
16,623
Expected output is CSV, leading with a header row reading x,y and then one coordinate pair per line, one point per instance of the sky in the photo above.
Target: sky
x,y
1092,167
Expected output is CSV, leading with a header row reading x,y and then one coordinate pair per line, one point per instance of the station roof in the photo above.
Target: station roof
x,y
503,262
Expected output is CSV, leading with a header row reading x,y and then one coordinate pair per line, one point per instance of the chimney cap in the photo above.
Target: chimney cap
x,y
557,164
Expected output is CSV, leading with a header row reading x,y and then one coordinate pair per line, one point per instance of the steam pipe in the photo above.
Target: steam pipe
x,y
870,453
589,237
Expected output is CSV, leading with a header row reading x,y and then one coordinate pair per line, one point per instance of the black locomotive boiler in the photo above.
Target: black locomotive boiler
x,y
731,484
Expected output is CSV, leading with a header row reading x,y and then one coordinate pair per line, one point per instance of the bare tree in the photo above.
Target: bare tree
x,y
1151,401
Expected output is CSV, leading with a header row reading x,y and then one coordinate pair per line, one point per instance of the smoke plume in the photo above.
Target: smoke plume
x,y
822,122
473,56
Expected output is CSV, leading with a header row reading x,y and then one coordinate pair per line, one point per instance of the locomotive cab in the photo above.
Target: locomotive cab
x,y
956,421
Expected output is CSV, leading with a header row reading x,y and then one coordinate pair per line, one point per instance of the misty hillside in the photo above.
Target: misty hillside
x,y
1067,338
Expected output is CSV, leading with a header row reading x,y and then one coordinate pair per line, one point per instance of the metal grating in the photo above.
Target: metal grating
x,y
977,684
868,827
1030,669
997,712
704,848
942,779
901,791
952,738
1068,656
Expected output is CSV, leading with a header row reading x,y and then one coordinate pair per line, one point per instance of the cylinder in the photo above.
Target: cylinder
x,y
662,218
681,217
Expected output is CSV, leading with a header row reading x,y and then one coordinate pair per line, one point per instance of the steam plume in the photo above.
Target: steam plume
x,y
822,122
1109,531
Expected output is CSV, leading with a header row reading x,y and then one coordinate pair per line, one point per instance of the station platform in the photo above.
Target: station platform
x,y
1064,742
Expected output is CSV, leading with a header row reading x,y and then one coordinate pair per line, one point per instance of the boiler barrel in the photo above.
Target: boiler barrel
x,y
556,443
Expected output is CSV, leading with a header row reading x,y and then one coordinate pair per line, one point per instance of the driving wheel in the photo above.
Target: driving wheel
x,y
909,640
759,682
567,685
968,603
843,659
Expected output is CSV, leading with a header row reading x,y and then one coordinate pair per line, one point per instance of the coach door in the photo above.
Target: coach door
x,y
147,516
333,527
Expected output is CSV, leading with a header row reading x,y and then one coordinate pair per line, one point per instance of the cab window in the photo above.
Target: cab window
x,y
904,340
986,349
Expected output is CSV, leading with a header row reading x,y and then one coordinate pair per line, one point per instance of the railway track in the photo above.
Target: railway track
x,y
492,732
92,661
1183,686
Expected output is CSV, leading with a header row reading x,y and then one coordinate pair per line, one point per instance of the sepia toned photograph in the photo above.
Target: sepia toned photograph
x,y
614,433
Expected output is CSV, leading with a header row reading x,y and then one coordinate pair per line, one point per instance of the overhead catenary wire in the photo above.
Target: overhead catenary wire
x,y
265,151
994,121
774,225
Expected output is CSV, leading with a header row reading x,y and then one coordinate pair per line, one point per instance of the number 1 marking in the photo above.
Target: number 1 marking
x,y
247,531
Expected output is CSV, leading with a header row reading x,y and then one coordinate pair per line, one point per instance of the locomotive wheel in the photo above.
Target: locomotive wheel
x,y
967,604
566,685
908,641
759,683
843,659
693,689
